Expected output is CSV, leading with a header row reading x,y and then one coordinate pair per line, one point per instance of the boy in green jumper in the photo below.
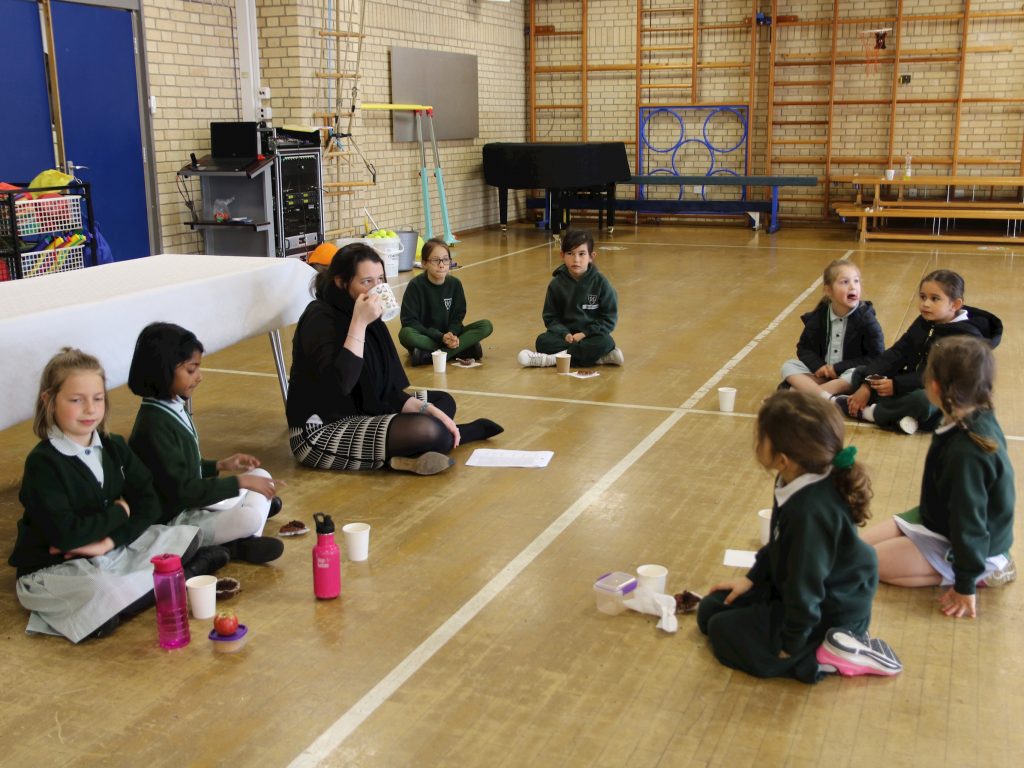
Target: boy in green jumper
x,y
580,310
433,309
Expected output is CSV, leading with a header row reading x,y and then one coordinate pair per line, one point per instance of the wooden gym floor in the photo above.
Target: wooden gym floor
x,y
470,637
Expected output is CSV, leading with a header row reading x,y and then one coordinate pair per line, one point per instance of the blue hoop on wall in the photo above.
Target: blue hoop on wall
x,y
706,145
738,144
646,121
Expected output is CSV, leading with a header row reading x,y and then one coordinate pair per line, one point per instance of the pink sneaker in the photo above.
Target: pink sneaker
x,y
850,654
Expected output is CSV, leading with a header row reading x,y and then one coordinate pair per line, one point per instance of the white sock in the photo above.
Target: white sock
x,y
868,414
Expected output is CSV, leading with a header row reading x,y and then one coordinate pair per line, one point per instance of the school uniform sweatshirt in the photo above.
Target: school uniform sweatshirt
x,y
434,310
182,477
816,565
66,508
862,342
968,496
588,305
904,362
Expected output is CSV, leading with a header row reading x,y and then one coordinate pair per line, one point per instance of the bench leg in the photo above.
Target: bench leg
x,y
773,226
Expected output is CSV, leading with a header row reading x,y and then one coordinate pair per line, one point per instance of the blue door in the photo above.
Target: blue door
x,y
99,99
25,133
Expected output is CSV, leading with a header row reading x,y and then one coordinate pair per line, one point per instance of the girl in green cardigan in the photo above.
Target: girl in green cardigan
x,y
87,535
230,510
803,609
960,535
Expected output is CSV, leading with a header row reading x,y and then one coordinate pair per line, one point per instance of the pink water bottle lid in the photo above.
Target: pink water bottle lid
x,y
166,563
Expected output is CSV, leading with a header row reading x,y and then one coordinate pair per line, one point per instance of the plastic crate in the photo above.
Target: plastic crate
x,y
44,262
48,214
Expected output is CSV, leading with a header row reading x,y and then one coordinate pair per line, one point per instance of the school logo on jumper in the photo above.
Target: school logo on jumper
x,y
447,304
591,302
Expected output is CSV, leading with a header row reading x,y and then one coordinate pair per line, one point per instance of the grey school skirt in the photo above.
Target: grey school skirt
x,y
355,442
74,597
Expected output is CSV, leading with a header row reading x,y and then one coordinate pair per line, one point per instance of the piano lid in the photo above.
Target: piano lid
x,y
555,166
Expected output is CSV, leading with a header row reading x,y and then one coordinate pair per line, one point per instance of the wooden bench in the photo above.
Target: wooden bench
x,y
1012,216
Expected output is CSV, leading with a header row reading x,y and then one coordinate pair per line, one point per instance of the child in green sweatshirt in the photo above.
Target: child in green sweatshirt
x,y
580,310
803,609
960,535
433,309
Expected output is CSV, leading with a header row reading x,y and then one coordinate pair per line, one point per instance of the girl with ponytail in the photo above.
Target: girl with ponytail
x,y
960,535
803,609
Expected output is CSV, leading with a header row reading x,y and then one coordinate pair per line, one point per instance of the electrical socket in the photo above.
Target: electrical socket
x,y
266,113
904,79
264,92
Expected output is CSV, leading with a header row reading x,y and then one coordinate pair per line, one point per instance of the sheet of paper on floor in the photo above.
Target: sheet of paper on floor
x,y
493,457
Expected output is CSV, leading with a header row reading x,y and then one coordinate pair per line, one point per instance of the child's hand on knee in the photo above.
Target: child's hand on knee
x,y
859,400
262,485
450,340
736,588
952,603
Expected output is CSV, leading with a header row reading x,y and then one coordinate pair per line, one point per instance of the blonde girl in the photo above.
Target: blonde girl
x,y
86,537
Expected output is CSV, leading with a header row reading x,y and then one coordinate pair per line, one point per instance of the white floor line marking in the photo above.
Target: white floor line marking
x,y
344,726
761,246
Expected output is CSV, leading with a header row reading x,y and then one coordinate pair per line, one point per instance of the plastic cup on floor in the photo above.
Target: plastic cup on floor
x,y
764,519
202,596
562,362
726,399
440,359
388,301
652,577
357,541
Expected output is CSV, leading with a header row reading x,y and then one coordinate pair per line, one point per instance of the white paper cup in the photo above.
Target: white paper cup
x,y
890,174
726,399
562,361
202,596
388,301
764,519
357,541
652,577
440,359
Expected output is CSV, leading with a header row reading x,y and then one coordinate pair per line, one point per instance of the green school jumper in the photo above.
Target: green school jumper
x,y
968,496
182,477
430,311
814,574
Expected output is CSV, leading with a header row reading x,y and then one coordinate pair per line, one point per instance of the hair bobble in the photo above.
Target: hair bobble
x,y
845,458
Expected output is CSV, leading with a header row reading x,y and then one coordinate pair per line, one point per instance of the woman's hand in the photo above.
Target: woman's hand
x,y
736,588
238,462
952,603
858,400
883,387
367,309
262,485
826,372
445,419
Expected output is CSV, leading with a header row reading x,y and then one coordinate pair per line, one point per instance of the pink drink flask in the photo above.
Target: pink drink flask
x,y
326,559
171,607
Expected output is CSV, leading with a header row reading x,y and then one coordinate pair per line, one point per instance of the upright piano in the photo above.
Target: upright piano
x,y
567,172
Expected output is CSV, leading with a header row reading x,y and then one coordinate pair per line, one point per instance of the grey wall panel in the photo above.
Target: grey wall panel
x,y
445,81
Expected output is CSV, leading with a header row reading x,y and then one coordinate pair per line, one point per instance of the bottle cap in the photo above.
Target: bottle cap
x,y
324,523
166,563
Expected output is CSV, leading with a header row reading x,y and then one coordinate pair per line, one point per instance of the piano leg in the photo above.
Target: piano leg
x,y
610,201
503,208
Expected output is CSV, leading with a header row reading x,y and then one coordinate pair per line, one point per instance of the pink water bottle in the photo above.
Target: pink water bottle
x,y
171,607
326,559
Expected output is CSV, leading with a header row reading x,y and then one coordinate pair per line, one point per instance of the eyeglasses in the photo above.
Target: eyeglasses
x,y
372,281
440,262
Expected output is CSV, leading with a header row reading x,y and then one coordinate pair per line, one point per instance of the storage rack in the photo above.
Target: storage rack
x,y
26,221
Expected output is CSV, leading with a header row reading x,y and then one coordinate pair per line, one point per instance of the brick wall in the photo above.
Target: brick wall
x,y
192,64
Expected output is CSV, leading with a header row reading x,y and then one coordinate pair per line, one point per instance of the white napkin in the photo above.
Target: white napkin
x,y
643,600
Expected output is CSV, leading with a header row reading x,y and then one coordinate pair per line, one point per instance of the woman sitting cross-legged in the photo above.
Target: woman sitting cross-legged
x,y
347,404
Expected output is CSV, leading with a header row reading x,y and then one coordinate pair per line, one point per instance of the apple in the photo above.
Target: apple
x,y
225,623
